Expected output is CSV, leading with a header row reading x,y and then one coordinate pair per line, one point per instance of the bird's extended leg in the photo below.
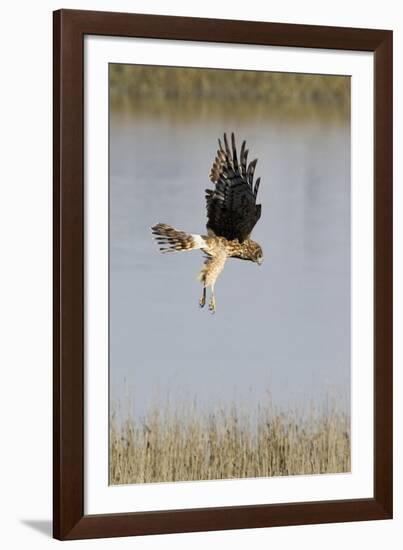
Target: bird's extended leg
x,y
212,304
213,266
202,301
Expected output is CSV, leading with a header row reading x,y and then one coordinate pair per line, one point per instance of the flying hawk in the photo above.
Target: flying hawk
x,y
232,213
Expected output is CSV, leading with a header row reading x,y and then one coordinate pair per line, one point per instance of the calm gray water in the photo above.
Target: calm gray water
x,y
283,327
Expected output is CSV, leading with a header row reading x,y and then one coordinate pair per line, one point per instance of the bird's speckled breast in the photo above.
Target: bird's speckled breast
x,y
234,249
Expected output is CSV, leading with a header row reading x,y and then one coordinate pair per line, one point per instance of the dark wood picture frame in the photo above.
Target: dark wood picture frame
x,y
70,27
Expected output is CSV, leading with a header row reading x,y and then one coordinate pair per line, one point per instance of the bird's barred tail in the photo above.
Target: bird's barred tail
x,y
170,239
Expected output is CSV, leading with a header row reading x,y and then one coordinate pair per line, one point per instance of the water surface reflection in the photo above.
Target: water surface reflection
x,y
284,326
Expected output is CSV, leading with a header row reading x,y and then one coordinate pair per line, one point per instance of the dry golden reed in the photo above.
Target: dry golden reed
x,y
189,93
188,445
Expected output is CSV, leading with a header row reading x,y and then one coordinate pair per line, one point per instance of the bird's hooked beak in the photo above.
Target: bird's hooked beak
x,y
260,261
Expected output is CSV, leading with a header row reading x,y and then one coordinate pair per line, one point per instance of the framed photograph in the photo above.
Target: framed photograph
x,y
222,274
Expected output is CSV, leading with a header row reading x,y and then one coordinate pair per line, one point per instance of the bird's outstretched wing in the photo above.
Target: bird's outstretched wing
x,y
232,211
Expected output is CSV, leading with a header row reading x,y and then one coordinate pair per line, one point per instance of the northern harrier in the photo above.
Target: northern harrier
x,y
232,213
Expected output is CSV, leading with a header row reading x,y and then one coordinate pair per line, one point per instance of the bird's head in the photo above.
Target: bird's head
x,y
256,253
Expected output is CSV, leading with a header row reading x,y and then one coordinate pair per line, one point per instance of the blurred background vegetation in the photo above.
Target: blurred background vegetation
x,y
154,90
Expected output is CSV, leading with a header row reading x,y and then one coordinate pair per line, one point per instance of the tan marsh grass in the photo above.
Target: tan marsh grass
x,y
190,93
188,445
